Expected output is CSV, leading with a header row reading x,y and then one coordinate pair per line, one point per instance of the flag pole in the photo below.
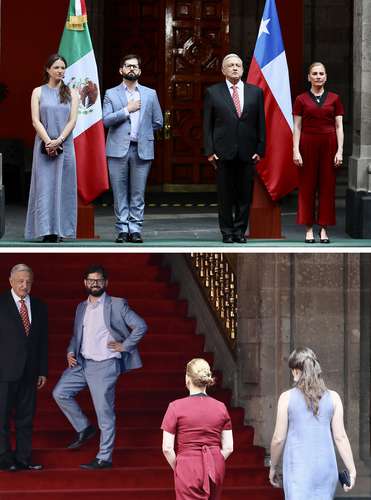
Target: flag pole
x,y
265,214
85,221
276,173
88,135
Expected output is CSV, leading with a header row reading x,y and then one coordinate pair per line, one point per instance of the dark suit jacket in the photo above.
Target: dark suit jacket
x,y
228,135
18,351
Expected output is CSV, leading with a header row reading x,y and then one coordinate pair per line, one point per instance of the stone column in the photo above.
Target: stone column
x,y
358,202
264,336
365,360
292,300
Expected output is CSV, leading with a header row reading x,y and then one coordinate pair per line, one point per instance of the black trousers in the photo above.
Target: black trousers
x,y
17,399
235,181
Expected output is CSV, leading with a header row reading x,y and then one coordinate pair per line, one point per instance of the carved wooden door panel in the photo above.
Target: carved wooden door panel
x,y
182,44
196,40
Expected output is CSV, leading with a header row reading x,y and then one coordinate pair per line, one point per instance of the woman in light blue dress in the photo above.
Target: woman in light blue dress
x,y
309,421
52,203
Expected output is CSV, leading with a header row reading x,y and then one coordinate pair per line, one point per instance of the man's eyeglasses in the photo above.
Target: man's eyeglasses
x,y
131,66
100,281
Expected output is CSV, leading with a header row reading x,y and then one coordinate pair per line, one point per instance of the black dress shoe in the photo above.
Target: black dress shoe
x,y
97,464
239,238
136,238
310,240
17,466
82,437
50,238
122,237
227,238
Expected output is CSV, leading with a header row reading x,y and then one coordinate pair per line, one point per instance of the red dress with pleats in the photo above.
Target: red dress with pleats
x,y
198,422
318,146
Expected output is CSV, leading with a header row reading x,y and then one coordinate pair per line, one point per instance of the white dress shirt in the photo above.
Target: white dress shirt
x,y
133,95
96,336
27,302
240,90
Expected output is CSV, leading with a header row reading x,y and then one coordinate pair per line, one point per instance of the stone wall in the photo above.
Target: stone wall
x,y
290,300
316,300
264,334
361,157
320,300
207,325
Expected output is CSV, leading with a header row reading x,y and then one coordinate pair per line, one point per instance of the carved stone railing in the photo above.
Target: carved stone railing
x,y
217,280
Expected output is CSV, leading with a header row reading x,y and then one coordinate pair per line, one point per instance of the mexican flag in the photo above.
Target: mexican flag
x,y
82,75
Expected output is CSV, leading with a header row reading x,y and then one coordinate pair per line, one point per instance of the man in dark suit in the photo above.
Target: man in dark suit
x,y
103,345
23,366
234,141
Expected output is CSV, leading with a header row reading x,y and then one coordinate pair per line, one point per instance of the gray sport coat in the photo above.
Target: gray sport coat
x,y
123,324
119,125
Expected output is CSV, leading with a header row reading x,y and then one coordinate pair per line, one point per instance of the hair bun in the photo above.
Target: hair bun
x,y
198,370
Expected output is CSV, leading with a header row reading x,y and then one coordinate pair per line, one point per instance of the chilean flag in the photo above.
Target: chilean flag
x,y
269,71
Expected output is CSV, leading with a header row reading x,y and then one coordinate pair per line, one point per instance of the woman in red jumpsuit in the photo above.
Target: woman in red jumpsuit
x,y
318,150
202,428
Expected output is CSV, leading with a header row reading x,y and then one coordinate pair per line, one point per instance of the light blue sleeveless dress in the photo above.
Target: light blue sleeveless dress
x,y
52,203
309,461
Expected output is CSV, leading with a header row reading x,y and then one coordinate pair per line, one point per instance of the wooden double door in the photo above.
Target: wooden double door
x,y
182,44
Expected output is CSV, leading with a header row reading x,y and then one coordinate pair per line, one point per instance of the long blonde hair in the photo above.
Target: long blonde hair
x,y
310,382
198,370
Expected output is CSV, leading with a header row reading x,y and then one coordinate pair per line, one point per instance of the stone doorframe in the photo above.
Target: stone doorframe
x,y
365,359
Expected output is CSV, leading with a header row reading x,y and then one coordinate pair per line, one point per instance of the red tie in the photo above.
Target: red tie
x,y
236,99
24,315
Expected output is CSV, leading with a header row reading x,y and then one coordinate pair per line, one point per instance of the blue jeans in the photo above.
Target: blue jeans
x,y
128,180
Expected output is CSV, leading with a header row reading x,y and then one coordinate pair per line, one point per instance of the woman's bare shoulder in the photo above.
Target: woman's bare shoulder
x,y
285,396
334,396
36,91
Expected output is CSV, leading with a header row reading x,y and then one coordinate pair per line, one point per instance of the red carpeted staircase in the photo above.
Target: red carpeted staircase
x,y
140,471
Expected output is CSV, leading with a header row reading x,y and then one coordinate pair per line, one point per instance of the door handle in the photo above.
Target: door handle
x,y
167,125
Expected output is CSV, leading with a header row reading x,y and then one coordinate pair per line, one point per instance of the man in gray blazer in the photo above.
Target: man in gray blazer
x,y
132,113
104,345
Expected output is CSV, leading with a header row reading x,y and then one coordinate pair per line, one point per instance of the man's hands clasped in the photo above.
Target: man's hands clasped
x,y
213,159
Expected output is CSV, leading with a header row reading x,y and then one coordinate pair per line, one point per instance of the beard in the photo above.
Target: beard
x,y
95,292
131,77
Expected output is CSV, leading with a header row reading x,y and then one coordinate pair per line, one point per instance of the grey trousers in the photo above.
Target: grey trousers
x,y
100,377
128,180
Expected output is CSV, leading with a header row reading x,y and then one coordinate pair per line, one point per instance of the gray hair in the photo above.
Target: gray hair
x,y
20,267
228,56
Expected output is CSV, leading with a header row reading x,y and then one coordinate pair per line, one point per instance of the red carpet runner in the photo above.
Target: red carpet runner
x,y
140,472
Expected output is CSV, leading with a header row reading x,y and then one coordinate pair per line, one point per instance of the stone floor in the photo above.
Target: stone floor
x,y
183,227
